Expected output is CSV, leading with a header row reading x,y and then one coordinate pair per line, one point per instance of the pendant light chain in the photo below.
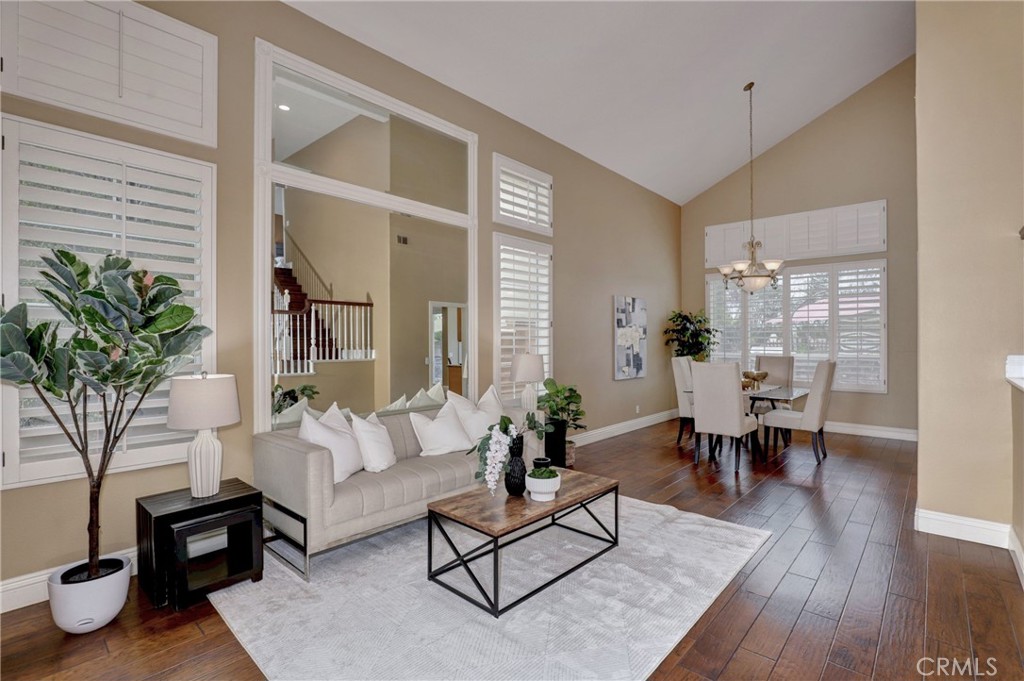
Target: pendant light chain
x,y
750,92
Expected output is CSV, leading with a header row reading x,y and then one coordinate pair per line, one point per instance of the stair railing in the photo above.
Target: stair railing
x,y
346,328
302,269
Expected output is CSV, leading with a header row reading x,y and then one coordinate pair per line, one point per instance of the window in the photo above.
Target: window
x,y
818,312
522,304
95,196
522,196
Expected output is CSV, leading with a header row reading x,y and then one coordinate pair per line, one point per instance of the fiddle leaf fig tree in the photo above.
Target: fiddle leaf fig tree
x,y
127,336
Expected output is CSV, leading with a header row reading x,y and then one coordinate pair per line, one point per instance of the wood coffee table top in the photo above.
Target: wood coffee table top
x,y
501,514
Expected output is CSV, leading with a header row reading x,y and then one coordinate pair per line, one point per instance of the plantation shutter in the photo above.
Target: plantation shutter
x,y
810,315
725,309
522,196
765,322
92,197
522,305
861,321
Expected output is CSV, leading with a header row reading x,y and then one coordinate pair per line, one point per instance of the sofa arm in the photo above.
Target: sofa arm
x,y
296,474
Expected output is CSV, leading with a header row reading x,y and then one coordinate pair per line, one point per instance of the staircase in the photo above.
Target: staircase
x,y
304,321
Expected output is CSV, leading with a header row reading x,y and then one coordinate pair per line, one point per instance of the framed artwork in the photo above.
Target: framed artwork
x,y
630,337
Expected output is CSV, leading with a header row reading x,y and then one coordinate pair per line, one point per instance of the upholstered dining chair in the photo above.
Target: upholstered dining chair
x,y
684,393
812,418
780,373
718,408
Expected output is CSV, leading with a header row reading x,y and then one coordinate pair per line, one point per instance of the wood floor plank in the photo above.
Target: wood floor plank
x,y
712,651
856,641
773,568
768,635
747,666
947,602
910,569
811,560
829,594
834,672
992,634
805,653
945,661
902,639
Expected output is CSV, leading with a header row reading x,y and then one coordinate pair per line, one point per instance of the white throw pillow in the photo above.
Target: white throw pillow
x,y
443,435
477,418
374,443
336,418
436,393
291,416
400,403
342,444
423,399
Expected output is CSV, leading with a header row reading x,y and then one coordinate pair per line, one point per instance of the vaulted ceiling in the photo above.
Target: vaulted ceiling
x,y
651,90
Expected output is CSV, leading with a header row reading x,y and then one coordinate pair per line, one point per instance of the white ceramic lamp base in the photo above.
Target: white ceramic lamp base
x,y
528,398
204,462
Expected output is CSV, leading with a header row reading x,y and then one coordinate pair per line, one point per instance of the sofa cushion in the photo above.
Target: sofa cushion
x,y
374,443
407,481
443,434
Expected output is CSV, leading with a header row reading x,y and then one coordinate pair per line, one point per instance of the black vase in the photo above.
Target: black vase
x,y
554,442
515,476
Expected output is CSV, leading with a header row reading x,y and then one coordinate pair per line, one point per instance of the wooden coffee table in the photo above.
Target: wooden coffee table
x,y
500,515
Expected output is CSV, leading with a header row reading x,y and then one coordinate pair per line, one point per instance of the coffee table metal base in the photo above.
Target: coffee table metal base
x,y
493,545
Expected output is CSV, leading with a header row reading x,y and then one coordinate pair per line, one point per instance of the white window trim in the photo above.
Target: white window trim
x,y
266,173
501,239
498,162
716,280
16,474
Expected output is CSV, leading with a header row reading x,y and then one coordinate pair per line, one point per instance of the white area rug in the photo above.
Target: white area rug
x,y
370,612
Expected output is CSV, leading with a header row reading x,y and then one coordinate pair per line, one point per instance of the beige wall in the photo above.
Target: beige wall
x,y
861,150
612,237
970,170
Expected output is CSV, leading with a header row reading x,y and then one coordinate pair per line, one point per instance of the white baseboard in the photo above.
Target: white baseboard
x,y
17,592
962,527
1017,551
587,437
888,432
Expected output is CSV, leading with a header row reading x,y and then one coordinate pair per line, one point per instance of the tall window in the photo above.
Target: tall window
x,y
95,196
522,306
818,312
523,196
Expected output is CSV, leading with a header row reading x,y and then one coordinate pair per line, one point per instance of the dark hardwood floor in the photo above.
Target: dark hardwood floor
x,y
845,589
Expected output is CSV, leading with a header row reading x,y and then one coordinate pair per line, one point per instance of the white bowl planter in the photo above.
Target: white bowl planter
x,y
82,607
543,489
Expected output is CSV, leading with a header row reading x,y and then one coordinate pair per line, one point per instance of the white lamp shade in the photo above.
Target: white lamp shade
x,y
755,283
199,402
527,368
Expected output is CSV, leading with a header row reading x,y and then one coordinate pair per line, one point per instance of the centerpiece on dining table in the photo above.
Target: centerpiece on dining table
x,y
501,452
752,379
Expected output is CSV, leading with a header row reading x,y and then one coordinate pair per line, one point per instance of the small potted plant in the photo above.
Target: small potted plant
x,y
543,483
691,334
128,335
501,451
563,404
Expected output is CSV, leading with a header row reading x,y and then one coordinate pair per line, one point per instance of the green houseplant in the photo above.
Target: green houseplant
x,y
564,407
691,334
127,335
543,483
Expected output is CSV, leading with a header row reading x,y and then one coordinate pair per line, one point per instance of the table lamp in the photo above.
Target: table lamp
x,y
202,403
529,369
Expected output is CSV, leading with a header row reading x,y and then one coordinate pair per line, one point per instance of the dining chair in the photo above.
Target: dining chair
x,y
683,376
718,409
780,373
812,418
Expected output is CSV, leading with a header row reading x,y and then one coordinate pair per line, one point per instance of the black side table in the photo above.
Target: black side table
x,y
189,547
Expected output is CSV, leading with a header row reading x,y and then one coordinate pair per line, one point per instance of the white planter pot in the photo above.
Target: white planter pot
x,y
86,606
543,489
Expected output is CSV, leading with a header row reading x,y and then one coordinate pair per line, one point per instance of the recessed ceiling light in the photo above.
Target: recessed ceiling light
x,y
284,107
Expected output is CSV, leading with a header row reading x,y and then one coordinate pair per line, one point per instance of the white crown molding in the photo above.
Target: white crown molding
x,y
963,527
866,430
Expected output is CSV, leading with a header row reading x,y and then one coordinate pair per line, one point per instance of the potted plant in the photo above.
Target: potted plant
x,y
127,336
691,334
563,404
543,483
501,451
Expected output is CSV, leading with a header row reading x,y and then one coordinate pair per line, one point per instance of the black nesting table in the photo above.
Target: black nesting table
x,y
189,547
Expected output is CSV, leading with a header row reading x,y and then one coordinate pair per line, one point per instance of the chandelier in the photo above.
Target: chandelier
x,y
751,274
